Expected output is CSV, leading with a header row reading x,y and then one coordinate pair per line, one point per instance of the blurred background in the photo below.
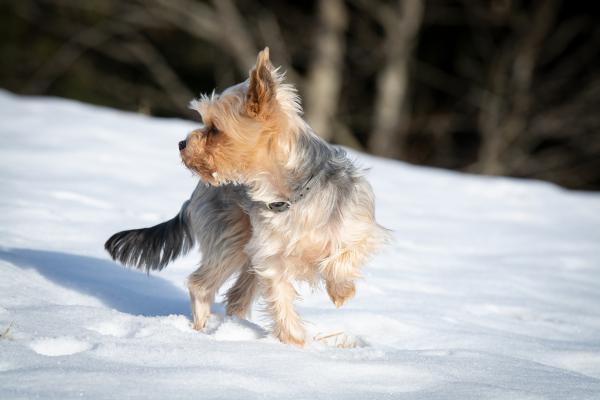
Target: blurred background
x,y
500,87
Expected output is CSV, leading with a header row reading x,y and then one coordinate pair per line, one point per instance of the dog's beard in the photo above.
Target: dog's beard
x,y
213,177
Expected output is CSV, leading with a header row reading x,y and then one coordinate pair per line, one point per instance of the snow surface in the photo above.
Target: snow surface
x,y
491,290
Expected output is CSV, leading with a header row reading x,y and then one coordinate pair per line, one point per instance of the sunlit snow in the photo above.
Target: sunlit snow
x,y
491,289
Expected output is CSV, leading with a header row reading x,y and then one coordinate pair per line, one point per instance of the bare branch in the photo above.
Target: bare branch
x,y
270,31
67,55
235,35
161,71
506,116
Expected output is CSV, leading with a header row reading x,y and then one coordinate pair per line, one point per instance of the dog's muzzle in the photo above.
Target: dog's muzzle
x,y
182,145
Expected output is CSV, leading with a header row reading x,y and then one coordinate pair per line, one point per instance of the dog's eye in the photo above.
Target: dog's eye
x,y
212,130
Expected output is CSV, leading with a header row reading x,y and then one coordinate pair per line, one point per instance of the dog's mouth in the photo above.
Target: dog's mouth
x,y
199,167
183,154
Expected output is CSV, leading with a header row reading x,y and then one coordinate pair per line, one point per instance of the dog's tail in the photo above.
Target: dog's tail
x,y
155,247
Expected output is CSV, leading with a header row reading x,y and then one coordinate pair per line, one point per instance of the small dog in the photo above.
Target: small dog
x,y
275,203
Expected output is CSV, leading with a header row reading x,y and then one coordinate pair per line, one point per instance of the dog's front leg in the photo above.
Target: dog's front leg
x,y
279,295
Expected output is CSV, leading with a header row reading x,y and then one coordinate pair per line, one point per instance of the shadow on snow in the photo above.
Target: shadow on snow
x,y
125,290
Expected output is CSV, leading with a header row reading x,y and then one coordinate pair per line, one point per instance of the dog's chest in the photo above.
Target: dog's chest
x,y
296,234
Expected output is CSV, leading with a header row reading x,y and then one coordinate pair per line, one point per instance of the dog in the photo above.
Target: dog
x,y
275,203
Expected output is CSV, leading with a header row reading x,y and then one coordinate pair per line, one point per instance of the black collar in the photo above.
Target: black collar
x,y
281,206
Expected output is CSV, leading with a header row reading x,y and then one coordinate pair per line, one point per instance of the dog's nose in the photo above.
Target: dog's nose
x,y
182,145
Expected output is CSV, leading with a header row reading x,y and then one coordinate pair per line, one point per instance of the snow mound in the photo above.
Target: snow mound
x,y
491,289
59,346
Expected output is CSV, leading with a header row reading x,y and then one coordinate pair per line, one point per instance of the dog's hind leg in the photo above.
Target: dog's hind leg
x,y
222,230
204,283
241,295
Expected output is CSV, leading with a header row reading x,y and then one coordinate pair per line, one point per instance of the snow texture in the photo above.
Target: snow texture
x,y
490,291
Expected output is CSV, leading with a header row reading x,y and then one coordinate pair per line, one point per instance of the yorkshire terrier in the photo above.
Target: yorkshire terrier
x,y
275,203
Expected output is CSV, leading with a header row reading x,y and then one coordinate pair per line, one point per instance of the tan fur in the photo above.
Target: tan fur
x,y
251,137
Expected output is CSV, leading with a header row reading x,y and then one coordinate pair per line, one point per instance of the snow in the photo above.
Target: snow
x,y
490,291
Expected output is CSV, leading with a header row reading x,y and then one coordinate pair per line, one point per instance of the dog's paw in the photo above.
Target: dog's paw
x,y
199,325
340,293
291,332
287,338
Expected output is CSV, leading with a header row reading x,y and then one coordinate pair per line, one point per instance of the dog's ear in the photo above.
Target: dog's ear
x,y
261,86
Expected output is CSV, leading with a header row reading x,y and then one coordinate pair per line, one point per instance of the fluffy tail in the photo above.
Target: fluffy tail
x,y
152,248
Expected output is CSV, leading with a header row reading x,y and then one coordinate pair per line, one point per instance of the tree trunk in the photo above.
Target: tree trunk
x,y
325,75
391,110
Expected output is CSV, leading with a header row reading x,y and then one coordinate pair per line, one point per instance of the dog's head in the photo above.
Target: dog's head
x,y
242,126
